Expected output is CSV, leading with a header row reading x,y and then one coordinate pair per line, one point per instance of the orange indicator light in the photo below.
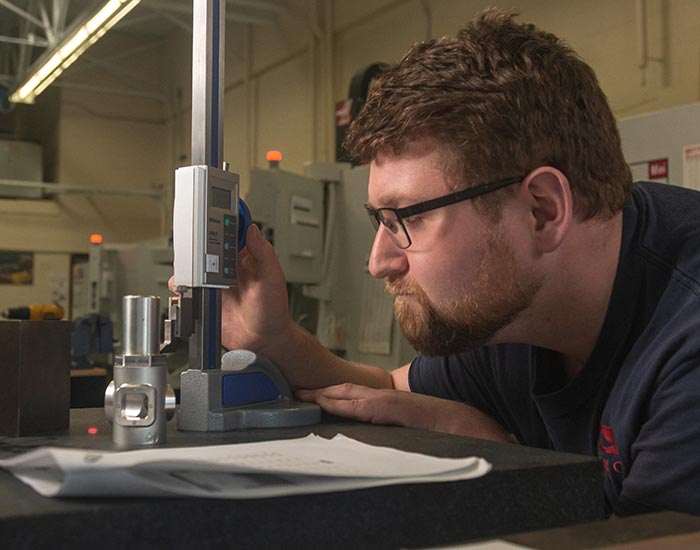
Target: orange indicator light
x,y
274,156
95,238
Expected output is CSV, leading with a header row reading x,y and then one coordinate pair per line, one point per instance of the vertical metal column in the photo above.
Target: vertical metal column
x,y
208,30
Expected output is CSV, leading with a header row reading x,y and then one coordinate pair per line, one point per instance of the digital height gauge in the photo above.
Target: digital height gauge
x,y
205,227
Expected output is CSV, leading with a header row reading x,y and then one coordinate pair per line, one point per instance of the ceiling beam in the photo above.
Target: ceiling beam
x,y
48,26
19,11
31,40
60,12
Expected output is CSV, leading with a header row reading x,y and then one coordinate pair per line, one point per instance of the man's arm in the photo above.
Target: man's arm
x,y
255,316
309,365
658,465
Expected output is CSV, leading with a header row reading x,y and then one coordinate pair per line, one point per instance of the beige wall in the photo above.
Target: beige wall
x,y
280,94
277,94
115,154
105,141
603,32
117,141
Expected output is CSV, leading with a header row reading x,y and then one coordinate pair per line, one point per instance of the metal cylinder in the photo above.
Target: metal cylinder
x,y
141,325
139,400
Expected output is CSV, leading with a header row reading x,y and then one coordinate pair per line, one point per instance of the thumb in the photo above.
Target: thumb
x,y
254,242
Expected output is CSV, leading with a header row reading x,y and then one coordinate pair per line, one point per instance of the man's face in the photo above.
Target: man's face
x,y
460,282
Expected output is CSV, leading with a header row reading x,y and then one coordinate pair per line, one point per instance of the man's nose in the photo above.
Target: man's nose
x,y
386,258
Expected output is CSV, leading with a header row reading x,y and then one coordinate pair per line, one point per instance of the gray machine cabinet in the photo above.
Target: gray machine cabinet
x,y
289,208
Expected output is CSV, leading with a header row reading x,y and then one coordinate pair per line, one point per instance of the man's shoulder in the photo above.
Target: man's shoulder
x,y
491,362
666,206
668,230
501,368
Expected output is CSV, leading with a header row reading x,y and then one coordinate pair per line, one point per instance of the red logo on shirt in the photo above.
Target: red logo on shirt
x,y
606,442
608,451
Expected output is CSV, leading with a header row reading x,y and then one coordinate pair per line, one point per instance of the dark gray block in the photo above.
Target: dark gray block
x,y
35,377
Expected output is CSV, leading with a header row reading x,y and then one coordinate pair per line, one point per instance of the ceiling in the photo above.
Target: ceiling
x,y
29,28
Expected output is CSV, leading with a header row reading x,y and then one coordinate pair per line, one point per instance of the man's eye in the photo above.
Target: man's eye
x,y
392,225
413,221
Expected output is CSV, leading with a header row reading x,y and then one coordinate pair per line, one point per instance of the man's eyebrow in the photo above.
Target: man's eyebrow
x,y
395,202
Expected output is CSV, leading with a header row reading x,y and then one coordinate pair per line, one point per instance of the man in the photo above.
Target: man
x,y
552,301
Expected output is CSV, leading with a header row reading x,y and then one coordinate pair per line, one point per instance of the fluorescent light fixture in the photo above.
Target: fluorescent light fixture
x,y
50,65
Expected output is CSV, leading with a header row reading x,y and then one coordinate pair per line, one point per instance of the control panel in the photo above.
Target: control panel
x,y
205,227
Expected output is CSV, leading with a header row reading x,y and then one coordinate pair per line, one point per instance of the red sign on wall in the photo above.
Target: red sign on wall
x,y
658,169
342,112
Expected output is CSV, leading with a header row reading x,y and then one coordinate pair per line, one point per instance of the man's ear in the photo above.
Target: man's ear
x,y
548,195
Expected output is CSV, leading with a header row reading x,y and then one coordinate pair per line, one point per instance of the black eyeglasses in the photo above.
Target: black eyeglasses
x,y
392,218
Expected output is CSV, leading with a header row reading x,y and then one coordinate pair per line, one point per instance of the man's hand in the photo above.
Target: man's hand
x,y
401,408
255,312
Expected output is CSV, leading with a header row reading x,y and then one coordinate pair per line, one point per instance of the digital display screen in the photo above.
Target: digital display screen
x,y
220,198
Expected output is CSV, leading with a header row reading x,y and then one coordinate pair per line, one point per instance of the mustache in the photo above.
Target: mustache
x,y
396,287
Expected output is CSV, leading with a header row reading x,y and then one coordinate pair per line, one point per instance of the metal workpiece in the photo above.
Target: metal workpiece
x,y
139,401
141,334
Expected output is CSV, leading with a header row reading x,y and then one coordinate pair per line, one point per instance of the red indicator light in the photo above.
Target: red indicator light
x,y
92,430
95,238
274,156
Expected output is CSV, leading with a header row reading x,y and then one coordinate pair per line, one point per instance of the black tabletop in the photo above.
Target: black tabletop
x,y
527,489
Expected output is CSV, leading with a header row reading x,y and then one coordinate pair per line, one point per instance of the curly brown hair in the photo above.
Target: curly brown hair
x,y
502,98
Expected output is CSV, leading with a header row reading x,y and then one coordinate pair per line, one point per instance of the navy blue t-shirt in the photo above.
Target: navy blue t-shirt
x,y
636,403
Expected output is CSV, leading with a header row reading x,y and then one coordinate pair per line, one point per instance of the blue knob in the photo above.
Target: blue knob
x,y
244,221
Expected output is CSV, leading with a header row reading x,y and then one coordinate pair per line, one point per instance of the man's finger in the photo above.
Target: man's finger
x,y
306,395
341,391
348,408
171,285
254,243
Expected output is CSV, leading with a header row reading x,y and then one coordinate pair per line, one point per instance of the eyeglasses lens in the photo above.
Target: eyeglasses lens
x,y
394,225
388,219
